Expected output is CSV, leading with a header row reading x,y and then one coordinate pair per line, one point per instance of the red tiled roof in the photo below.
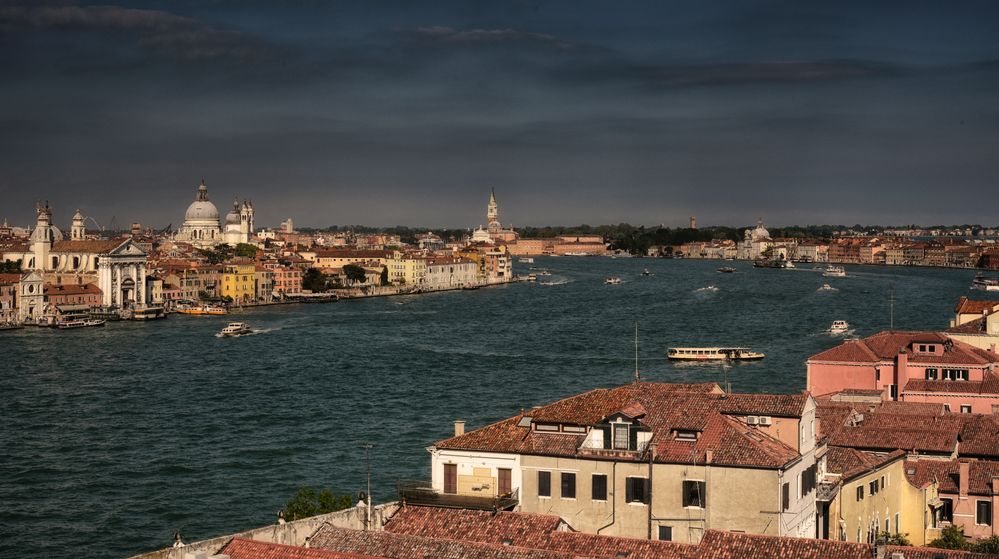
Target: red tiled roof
x,y
241,548
976,326
88,246
988,385
72,289
776,405
402,546
717,544
885,346
666,408
968,306
980,436
947,474
9,279
534,531
849,462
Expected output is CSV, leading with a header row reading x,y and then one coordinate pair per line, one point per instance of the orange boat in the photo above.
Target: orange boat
x,y
204,310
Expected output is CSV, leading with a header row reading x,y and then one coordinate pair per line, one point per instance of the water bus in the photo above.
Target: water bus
x,y
712,354
985,284
839,327
203,310
834,272
235,330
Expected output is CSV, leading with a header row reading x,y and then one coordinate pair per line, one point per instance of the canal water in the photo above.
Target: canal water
x,y
114,438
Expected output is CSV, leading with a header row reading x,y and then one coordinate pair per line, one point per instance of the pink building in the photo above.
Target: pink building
x,y
968,491
912,367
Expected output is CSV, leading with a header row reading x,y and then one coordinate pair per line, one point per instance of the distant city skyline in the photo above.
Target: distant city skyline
x,y
384,114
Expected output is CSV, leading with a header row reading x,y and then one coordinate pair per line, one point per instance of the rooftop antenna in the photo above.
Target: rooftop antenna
x,y
638,375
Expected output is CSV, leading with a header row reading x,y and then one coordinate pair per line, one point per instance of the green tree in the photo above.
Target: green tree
x,y
217,255
987,545
354,273
314,281
245,250
308,502
384,276
952,537
894,539
10,267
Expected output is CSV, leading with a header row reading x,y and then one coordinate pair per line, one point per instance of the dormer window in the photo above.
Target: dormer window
x,y
621,436
686,435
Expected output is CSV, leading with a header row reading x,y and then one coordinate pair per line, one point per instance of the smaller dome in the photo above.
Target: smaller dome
x,y
233,217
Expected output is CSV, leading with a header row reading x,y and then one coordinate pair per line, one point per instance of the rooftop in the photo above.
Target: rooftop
x,y
887,345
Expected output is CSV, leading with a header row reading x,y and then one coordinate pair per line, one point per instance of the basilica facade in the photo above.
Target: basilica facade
x,y
204,228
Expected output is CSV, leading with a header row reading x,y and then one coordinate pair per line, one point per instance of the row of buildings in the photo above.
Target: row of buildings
x,y
209,259
886,250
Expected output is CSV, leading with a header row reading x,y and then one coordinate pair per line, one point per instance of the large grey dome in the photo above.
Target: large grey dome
x,y
202,210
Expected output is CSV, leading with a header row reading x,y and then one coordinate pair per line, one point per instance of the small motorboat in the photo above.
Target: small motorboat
x,y
727,270
527,260
647,273
708,289
613,280
544,273
839,327
834,272
985,284
827,287
532,277
234,330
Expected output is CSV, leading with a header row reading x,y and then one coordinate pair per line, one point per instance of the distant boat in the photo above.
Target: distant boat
x,y
710,288
204,310
985,284
712,354
834,272
727,270
544,273
532,277
73,324
839,327
646,272
613,280
234,330
789,265
10,326
766,263
527,260
827,287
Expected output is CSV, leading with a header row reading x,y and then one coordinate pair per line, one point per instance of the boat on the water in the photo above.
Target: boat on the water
x,y
834,272
544,273
646,272
10,326
839,327
234,330
532,277
79,323
827,287
985,284
712,354
527,260
711,288
726,270
770,263
204,310
613,280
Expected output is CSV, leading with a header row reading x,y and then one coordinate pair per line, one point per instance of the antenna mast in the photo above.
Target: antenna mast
x,y
638,375
891,312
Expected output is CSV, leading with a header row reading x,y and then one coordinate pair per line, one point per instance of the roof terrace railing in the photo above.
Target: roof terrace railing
x,y
420,492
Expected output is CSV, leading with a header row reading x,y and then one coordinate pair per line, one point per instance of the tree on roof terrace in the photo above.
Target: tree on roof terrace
x,y
308,502
10,267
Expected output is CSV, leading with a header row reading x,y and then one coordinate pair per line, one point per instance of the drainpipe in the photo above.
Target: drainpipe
x,y
652,456
613,485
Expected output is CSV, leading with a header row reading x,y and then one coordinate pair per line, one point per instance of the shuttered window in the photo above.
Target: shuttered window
x,y
451,478
983,513
568,488
599,487
620,437
636,490
544,484
785,496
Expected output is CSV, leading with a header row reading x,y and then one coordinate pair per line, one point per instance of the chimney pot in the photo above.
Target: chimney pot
x,y
459,428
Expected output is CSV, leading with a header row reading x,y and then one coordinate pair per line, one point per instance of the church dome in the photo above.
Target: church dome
x,y
202,210
233,218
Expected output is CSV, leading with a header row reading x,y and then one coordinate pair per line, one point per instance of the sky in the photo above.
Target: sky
x,y
408,113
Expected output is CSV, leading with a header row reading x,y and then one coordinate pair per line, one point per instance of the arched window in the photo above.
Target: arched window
x,y
55,262
76,262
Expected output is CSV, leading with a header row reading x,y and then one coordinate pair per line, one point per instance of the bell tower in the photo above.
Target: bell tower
x,y
41,237
78,231
492,213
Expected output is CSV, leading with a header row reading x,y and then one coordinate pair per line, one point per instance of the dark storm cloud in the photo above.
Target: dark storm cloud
x,y
400,112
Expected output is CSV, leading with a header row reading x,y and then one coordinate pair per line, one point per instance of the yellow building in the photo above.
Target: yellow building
x,y
407,270
876,496
238,282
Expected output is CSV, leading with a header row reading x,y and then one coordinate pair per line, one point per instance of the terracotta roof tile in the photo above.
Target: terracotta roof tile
x,y
776,405
947,474
969,306
666,408
885,346
849,462
735,545
241,548
403,546
88,246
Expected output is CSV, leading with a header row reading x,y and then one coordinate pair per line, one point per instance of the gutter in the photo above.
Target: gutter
x,y
613,500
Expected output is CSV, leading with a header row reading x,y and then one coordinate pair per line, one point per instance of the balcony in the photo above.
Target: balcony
x,y
590,448
423,493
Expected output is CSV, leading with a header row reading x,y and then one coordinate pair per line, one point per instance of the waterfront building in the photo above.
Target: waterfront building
x,y
202,226
448,272
340,257
239,282
8,297
755,242
86,294
976,323
31,297
912,367
648,460
287,280
263,284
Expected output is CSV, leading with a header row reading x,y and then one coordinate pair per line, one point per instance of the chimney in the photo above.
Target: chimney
x,y
709,456
901,370
962,480
459,428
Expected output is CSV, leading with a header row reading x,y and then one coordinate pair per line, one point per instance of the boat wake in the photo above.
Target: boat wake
x,y
556,282
827,289
708,289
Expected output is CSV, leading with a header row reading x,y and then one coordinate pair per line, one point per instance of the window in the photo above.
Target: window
x,y
573,429
983,513
636,490
896,522
544,484
965,409
694,493
888,525
620,436
931,374
808,479
922,349
666,533
860,492
686,435
947,407
568,486
451,478
893,391
785,496
599,487
546,427
947,510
